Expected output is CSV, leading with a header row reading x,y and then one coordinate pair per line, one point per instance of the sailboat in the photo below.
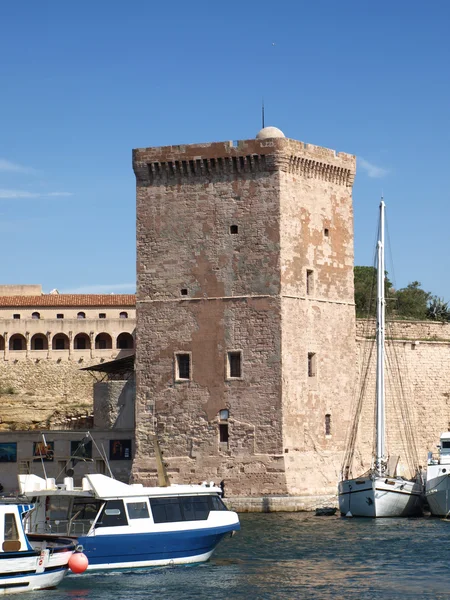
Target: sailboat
x,y
380,492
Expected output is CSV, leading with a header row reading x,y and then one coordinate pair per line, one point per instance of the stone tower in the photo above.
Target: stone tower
x,y
245,313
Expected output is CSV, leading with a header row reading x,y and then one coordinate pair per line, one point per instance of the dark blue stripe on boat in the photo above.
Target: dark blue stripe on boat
x,y
140,547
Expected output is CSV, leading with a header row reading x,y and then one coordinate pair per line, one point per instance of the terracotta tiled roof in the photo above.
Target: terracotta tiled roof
x,y
69,300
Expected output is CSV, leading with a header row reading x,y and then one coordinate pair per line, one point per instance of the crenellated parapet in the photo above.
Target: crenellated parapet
x,y
169,165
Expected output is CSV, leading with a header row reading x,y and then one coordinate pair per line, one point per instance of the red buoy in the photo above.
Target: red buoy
x,y
78,562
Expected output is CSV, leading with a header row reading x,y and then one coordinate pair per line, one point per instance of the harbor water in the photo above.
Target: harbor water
x,y
294,555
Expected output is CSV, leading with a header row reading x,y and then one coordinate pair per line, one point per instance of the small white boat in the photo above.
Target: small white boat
x,y
438,480
29,563
122,526
380,492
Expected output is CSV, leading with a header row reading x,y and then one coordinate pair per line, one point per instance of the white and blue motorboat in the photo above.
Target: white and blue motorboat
x,y
29,563
123,526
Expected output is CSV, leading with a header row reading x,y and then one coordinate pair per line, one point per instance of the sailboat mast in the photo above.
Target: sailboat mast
x,y
381,304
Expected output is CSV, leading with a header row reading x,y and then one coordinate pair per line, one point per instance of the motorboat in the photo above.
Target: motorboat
x,y
30,562
123,526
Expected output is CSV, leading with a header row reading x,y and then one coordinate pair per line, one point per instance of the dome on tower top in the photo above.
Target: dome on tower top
x,y
269,132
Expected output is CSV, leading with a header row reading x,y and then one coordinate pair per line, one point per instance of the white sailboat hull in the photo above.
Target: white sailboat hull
x,y
380,497
438,490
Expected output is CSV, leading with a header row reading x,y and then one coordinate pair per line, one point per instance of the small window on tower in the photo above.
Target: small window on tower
x,y
328,424
60,316
102,316
223,428
309,282
223,433
184,292
326,232
312,368
234,229
182,366
16,316
234,364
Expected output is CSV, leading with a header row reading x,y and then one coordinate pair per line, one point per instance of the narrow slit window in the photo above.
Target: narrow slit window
x,y
312,364
223,426
309,282
326,232
328,424
234,364
183,366
234,229
223,433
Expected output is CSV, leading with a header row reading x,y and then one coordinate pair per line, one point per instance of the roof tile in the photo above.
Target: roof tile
x,y
69,300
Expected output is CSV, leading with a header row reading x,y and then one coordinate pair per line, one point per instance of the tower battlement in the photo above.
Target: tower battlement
x,y
161,165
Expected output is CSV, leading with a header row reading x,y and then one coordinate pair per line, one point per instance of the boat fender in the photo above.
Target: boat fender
x,y
78,562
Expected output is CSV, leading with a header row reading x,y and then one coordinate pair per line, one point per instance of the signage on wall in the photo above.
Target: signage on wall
x,y
81,450
120,449
43,451
8,452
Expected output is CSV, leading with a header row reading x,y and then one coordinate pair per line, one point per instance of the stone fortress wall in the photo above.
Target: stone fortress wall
x,y
420,352
244,249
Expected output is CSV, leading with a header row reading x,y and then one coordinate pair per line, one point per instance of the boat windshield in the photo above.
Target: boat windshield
x,y
84,511
69,516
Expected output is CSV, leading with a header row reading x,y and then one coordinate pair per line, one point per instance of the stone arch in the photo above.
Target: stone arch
x,y
82,342
103,341
124,341
39,342
17,342
2,343
60,341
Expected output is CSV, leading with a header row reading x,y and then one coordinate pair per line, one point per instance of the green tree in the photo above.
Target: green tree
x,y
412,302
365,279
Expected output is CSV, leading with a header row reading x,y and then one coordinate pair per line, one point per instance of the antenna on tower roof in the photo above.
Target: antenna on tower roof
x,y
262,113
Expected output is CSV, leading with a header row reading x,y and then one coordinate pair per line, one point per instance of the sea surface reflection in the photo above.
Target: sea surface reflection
x,y
295,555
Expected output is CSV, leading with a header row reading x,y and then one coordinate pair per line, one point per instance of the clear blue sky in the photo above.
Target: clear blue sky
x,y
82,83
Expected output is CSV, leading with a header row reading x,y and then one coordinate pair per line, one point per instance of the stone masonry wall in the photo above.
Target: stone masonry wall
x,y
424,366
231,283
318,317
34,395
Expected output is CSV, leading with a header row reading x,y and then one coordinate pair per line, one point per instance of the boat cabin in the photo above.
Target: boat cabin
x,y
12,535
443,457
444,448
65,510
